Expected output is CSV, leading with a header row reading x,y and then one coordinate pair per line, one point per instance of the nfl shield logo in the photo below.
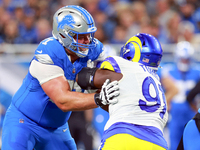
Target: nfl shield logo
x,y
21,120
73,71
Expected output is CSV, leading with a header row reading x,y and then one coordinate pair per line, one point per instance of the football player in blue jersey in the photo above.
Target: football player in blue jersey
x,y
185,75
191,134
137,120
39,111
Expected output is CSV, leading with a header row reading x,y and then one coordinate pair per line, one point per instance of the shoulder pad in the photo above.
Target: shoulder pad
x,y
111,64
52,47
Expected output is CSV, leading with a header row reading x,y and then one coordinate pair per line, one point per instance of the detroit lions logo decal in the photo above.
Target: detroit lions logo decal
x,y
67,20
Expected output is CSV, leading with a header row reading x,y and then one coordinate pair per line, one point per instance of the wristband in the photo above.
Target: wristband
x,y
97,100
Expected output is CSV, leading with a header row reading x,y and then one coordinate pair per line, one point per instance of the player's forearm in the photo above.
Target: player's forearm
x,y
75,101
59,92
170,94
170,88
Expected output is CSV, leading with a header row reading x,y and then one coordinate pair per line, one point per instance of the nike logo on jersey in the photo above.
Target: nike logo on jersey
x,y
64,130
39,51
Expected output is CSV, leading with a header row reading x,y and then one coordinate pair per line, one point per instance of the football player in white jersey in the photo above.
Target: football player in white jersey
x,y
138,119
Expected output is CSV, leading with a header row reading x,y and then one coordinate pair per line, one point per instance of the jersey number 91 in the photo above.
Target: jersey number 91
x,y
154,103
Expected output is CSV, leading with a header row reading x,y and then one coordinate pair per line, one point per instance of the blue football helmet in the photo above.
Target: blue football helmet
x,y
184,55
143,48
68,23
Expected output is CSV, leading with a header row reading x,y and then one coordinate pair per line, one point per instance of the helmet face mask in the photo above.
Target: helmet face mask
x,y
143,48
80,48
69,23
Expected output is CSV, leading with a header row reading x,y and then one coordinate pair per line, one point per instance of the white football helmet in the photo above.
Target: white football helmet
x,y
184,55
68,23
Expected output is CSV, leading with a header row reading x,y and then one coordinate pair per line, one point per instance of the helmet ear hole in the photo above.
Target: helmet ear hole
x,y
143,43
129,58
62,35
60,13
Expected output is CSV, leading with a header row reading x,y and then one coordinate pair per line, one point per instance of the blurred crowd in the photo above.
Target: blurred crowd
x,y
30,21
170,21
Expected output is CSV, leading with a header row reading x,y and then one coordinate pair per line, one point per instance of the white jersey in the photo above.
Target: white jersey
x,y
141,100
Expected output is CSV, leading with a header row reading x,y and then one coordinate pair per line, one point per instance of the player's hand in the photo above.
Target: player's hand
x,y
108,94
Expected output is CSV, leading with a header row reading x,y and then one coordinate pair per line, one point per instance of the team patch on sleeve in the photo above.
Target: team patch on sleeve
x,y
110,64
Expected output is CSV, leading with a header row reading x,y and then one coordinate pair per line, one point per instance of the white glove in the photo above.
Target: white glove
x,y
108,94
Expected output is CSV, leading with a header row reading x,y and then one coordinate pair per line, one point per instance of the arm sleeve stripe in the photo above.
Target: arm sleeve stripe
x,y
44,72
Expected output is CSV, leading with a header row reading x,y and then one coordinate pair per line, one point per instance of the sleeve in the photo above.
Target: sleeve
x,y
44,72
49,51
110,64
191,95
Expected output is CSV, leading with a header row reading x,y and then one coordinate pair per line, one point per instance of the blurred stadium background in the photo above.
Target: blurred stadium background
x,y
24,23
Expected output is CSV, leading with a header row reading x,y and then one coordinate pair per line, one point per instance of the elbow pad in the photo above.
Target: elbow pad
x,y
86,78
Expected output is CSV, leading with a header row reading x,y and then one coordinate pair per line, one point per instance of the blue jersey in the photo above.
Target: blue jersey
x,y
32,101
180,111
191,136
185,81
